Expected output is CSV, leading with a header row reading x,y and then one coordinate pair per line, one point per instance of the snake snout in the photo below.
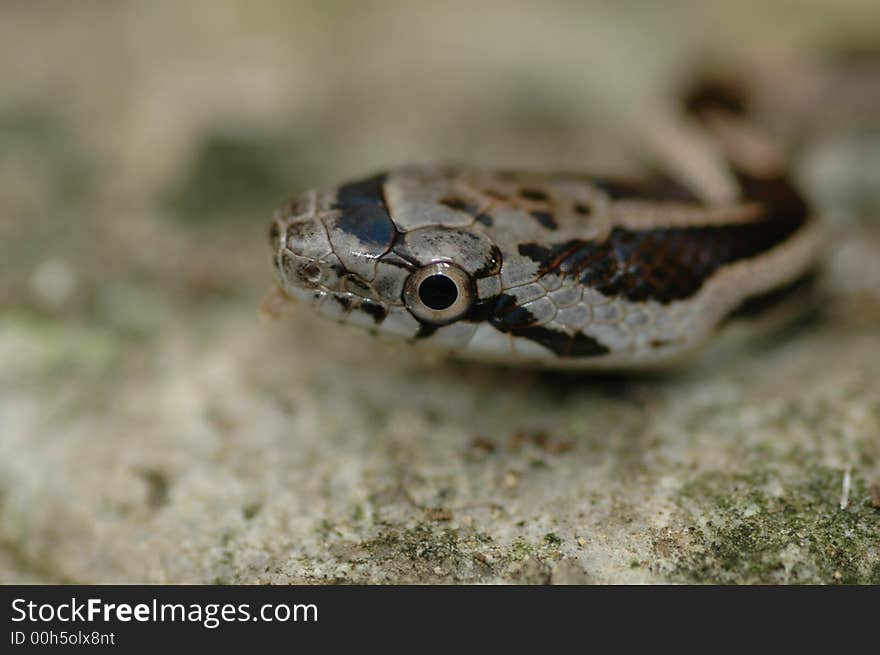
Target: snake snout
x,y
302,253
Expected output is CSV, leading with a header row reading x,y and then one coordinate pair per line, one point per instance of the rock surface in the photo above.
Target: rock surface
x,y
154,429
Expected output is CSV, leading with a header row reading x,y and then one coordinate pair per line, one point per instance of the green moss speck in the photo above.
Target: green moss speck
x,y
764,528
520,549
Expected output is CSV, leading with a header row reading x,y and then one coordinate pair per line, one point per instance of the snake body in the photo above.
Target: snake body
x,y
556,270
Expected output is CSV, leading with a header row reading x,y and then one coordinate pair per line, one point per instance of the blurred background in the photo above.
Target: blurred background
x,y
153,429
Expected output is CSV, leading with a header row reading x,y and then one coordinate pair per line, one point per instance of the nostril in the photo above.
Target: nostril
x,y
312,272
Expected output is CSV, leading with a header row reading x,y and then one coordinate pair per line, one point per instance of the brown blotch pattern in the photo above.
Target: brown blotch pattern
x,y
661,264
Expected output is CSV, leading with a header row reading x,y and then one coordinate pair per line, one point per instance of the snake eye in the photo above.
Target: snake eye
x,y
439,293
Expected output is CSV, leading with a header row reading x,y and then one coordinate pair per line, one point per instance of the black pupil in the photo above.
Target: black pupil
x,y
438,292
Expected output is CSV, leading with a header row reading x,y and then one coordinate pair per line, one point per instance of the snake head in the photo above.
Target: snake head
x,y
343,252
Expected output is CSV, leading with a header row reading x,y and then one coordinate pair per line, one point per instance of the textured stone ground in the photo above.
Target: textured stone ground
x,y
154,429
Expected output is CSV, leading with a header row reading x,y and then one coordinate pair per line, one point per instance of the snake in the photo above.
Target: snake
x,y
561,269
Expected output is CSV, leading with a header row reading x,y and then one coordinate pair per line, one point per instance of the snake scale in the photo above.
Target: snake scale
x,y
560,270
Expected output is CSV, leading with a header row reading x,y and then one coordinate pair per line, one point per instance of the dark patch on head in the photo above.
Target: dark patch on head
x,y
485,219
508,315
764,302
363,192
371,225
492,264
545,218
518,321
374,309
344,301
364,212
481,310
666,264
582,209
459,204
533,194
